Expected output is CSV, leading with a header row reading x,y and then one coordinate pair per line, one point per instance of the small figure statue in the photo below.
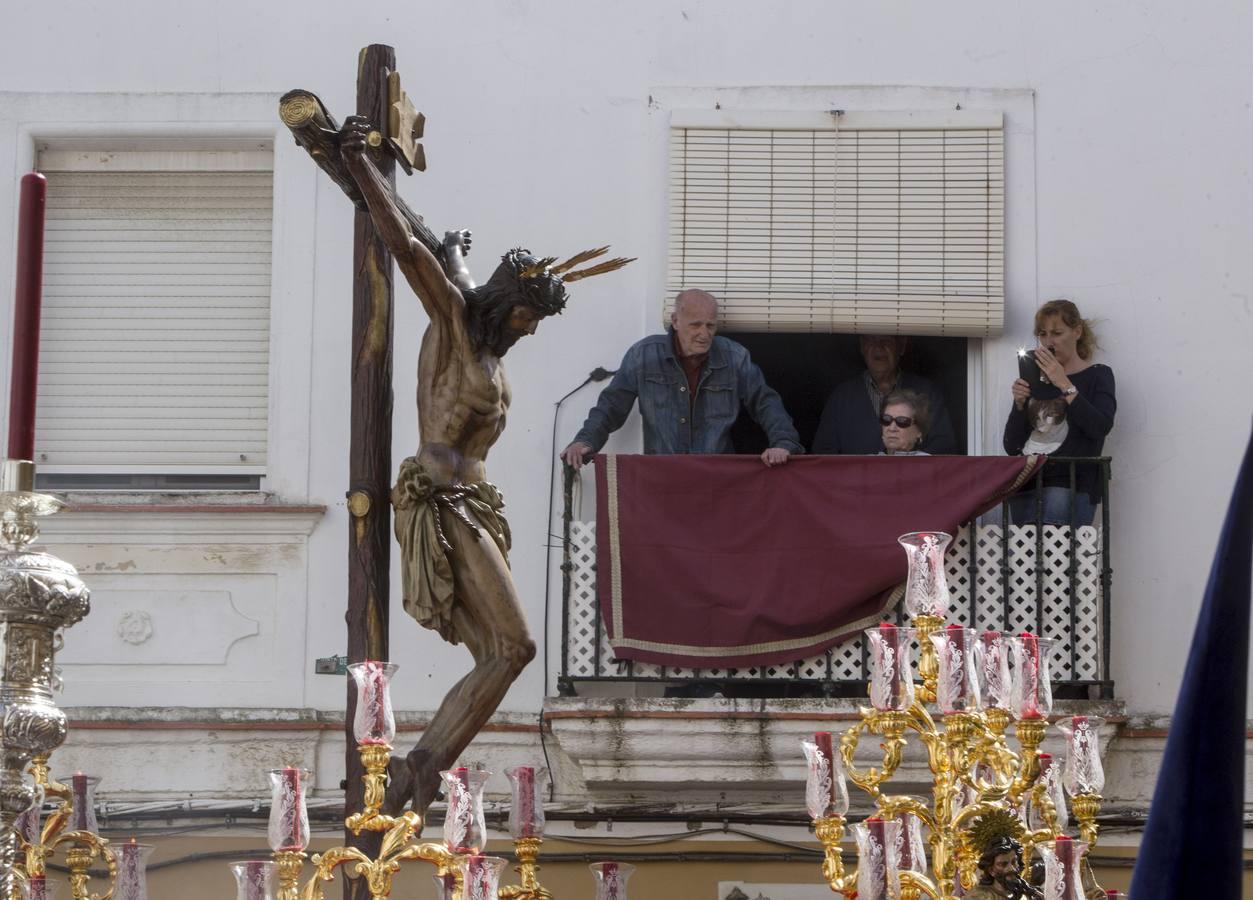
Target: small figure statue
x,y
454,539
1000,869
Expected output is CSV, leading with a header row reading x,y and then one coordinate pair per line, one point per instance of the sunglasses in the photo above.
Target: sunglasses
x,y
901,421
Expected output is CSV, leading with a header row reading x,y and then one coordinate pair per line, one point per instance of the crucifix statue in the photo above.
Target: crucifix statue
x,y
452,533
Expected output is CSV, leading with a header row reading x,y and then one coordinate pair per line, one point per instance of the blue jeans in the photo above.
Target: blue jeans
x,y
1057,501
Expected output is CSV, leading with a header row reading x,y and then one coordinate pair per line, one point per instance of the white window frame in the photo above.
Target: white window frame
x,y
156,121
764,105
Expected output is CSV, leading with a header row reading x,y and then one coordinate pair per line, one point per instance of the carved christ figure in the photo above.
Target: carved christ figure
x,y
453,537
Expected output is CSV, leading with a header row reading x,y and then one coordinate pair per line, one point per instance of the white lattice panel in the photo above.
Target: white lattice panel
x,y
1042,603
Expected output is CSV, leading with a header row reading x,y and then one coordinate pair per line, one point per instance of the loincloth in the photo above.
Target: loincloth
x,y
426,573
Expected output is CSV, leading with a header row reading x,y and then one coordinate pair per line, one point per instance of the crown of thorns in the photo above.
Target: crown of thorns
x,y
542,283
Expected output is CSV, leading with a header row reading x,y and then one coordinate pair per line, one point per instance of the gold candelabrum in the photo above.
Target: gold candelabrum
x,y
69,828
970,688
464,874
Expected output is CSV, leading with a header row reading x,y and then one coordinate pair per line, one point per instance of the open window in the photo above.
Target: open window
x,y
813,228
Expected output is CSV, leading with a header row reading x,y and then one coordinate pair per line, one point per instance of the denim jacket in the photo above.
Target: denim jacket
x,y
651,372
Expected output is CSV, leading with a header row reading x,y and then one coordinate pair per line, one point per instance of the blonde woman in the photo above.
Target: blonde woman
x,y
1066,347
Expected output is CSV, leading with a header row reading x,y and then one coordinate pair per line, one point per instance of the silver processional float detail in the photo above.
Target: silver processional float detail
x,y
39,596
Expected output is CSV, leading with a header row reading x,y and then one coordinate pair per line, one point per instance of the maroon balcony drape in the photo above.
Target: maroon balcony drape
x,y
718,561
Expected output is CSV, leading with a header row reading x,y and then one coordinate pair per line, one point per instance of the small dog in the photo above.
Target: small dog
x,y
1049,425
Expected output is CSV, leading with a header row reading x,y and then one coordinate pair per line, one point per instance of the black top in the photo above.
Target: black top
x,y
1090,417
850,423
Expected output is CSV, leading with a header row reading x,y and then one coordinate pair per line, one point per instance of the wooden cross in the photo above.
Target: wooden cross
x,y
381,100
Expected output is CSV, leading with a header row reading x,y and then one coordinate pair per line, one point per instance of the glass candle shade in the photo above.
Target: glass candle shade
x,y
526,812
445,886
1032,686
254,879
37,887
374,722
1051,778
891,674
132,870
992,662
877,859
611,879
957,686
1062,877
289,817
1084,773
465,831
926,589
826,793
911,850
83,811
481,877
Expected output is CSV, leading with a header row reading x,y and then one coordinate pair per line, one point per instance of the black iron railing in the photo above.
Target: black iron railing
x,y
1026,565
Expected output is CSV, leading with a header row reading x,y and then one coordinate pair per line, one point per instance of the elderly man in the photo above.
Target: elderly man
x,y
691,385
850,420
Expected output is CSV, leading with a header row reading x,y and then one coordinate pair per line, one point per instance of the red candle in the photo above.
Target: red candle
x,y
1031,678
255,877
878,834
292,790
822,739
526,800
1067,855
375,699
25,372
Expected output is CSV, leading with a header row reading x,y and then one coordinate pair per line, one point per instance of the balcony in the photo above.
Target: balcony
x,y
1052,580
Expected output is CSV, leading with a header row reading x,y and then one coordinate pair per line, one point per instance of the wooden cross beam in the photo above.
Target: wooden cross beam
x,y
381,100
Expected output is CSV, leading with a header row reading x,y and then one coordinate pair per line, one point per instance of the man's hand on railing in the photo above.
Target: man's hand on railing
x,y
775,456
577,454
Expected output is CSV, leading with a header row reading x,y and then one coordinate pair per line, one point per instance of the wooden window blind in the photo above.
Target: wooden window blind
x,y
878,223
154,351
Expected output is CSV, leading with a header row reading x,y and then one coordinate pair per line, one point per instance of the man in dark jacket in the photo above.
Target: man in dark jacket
x,y
850,420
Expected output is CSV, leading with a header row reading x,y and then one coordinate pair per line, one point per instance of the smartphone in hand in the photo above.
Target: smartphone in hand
x,y
1028,368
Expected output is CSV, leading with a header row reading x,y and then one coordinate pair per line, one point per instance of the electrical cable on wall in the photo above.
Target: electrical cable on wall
x,y
597,374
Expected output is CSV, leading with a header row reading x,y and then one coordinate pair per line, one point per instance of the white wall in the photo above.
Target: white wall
x,y
540,132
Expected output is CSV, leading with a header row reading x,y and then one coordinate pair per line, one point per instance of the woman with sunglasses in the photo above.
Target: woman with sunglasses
x,y
1064,355
903,423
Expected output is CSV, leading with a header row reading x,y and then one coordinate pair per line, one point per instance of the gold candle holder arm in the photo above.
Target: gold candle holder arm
x,y
527,851
84,848
892,806
915,885
830,831
889,723
1030,734
928,662
1086,807
324,865
374,759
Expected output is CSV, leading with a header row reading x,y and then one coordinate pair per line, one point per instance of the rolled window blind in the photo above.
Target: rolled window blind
x,y
853,228
154,352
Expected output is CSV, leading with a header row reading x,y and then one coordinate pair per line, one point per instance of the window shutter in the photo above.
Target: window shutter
x,y
154,349
877,224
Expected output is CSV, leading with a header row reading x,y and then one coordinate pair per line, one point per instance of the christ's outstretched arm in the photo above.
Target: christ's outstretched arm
x,y
440,298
